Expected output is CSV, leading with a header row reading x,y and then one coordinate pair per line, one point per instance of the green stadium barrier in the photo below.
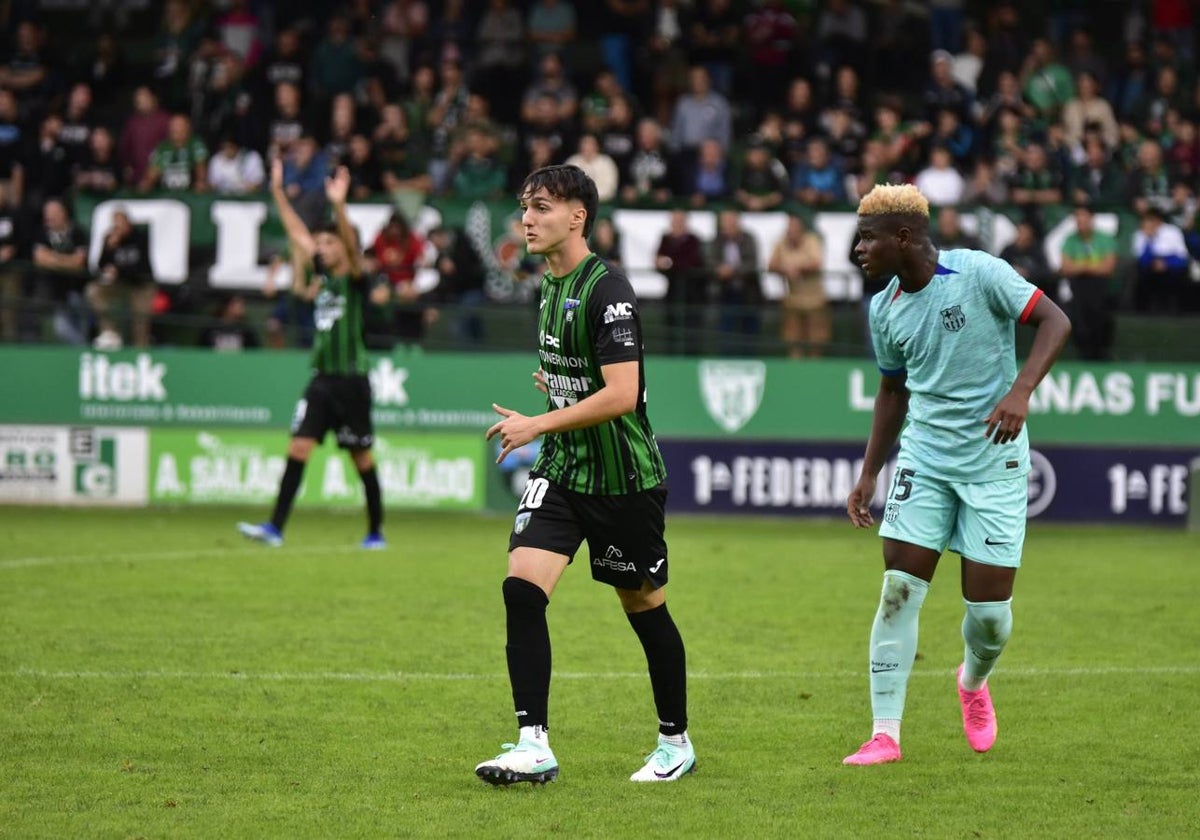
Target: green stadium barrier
x,y
243,466
774,399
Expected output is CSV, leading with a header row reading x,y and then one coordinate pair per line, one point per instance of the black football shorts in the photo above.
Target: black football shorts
x,y
624,534
341,404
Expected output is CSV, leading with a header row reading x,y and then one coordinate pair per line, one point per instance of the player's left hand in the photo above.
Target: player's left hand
x,y
515,430
1007,418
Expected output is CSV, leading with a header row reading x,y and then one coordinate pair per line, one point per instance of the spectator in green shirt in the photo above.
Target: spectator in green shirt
x,y
1089,261
478,174
179,162
1046,83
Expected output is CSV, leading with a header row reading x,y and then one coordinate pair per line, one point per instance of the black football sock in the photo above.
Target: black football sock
x,y
370,481
668,666
288,486
528,650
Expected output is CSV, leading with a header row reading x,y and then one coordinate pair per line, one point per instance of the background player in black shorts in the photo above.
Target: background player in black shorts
x,y
338,397
599,477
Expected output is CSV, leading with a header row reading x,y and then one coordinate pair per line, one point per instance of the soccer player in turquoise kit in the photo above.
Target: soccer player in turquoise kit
x,y
943,331
599,477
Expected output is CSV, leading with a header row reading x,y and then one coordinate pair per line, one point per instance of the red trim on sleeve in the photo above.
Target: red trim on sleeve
x,y
1028,310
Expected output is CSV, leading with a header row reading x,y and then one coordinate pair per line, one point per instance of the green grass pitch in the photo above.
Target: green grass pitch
x,y
161,678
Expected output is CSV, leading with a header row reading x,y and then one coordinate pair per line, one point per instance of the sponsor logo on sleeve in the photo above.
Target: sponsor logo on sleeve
x,y
622,311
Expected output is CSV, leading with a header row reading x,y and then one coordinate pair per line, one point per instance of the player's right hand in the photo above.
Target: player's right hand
x,y
277,172
858,506
539,381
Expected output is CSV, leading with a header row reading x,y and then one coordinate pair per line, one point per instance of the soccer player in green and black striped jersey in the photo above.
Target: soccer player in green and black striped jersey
x,y
599,478
328,271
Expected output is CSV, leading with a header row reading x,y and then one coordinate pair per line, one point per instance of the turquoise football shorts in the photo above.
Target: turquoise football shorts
x,y
984,521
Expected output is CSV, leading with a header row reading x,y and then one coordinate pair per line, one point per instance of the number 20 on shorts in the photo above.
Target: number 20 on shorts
x,y
535,493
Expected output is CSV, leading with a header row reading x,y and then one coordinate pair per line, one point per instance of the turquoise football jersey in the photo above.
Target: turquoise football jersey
x,y
955,338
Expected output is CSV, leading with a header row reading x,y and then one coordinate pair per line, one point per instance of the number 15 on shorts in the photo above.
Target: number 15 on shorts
x,y
902,487
902,484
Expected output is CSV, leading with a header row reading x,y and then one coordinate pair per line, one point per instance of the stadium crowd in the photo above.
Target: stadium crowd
x,y
737,106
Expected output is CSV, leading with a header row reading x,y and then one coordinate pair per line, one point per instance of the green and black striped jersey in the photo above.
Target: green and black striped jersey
x,y
586,320
338,346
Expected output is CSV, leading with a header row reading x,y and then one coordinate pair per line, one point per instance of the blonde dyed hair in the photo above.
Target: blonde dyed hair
x,y
894,199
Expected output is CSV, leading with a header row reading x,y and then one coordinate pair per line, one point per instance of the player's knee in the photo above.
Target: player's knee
x,y
301,448
992,621
641,600
523,594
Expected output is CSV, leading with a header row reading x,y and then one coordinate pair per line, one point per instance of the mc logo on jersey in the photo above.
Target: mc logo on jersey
x,y
732,391
622,311
953,318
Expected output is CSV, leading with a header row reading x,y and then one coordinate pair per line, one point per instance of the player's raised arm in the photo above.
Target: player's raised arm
x,y
297,232
337,188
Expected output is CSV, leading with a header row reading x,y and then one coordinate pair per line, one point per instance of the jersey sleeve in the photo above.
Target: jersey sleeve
x,y
1008,294
887,353
613,315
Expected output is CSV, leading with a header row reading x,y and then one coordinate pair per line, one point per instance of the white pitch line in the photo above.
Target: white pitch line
x,y
416,676
198,554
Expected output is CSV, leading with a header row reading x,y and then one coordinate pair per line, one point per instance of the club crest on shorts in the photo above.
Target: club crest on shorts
x,y
521,522
891,512
953,318
733,391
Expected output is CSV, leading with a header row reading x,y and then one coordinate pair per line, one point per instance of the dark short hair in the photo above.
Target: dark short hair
x,y
565,183
325,226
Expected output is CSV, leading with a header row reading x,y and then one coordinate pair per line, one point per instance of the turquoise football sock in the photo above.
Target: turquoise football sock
x,y
985,628
894,647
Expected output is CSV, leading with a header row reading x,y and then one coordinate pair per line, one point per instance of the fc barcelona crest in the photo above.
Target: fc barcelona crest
x,y
953,318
